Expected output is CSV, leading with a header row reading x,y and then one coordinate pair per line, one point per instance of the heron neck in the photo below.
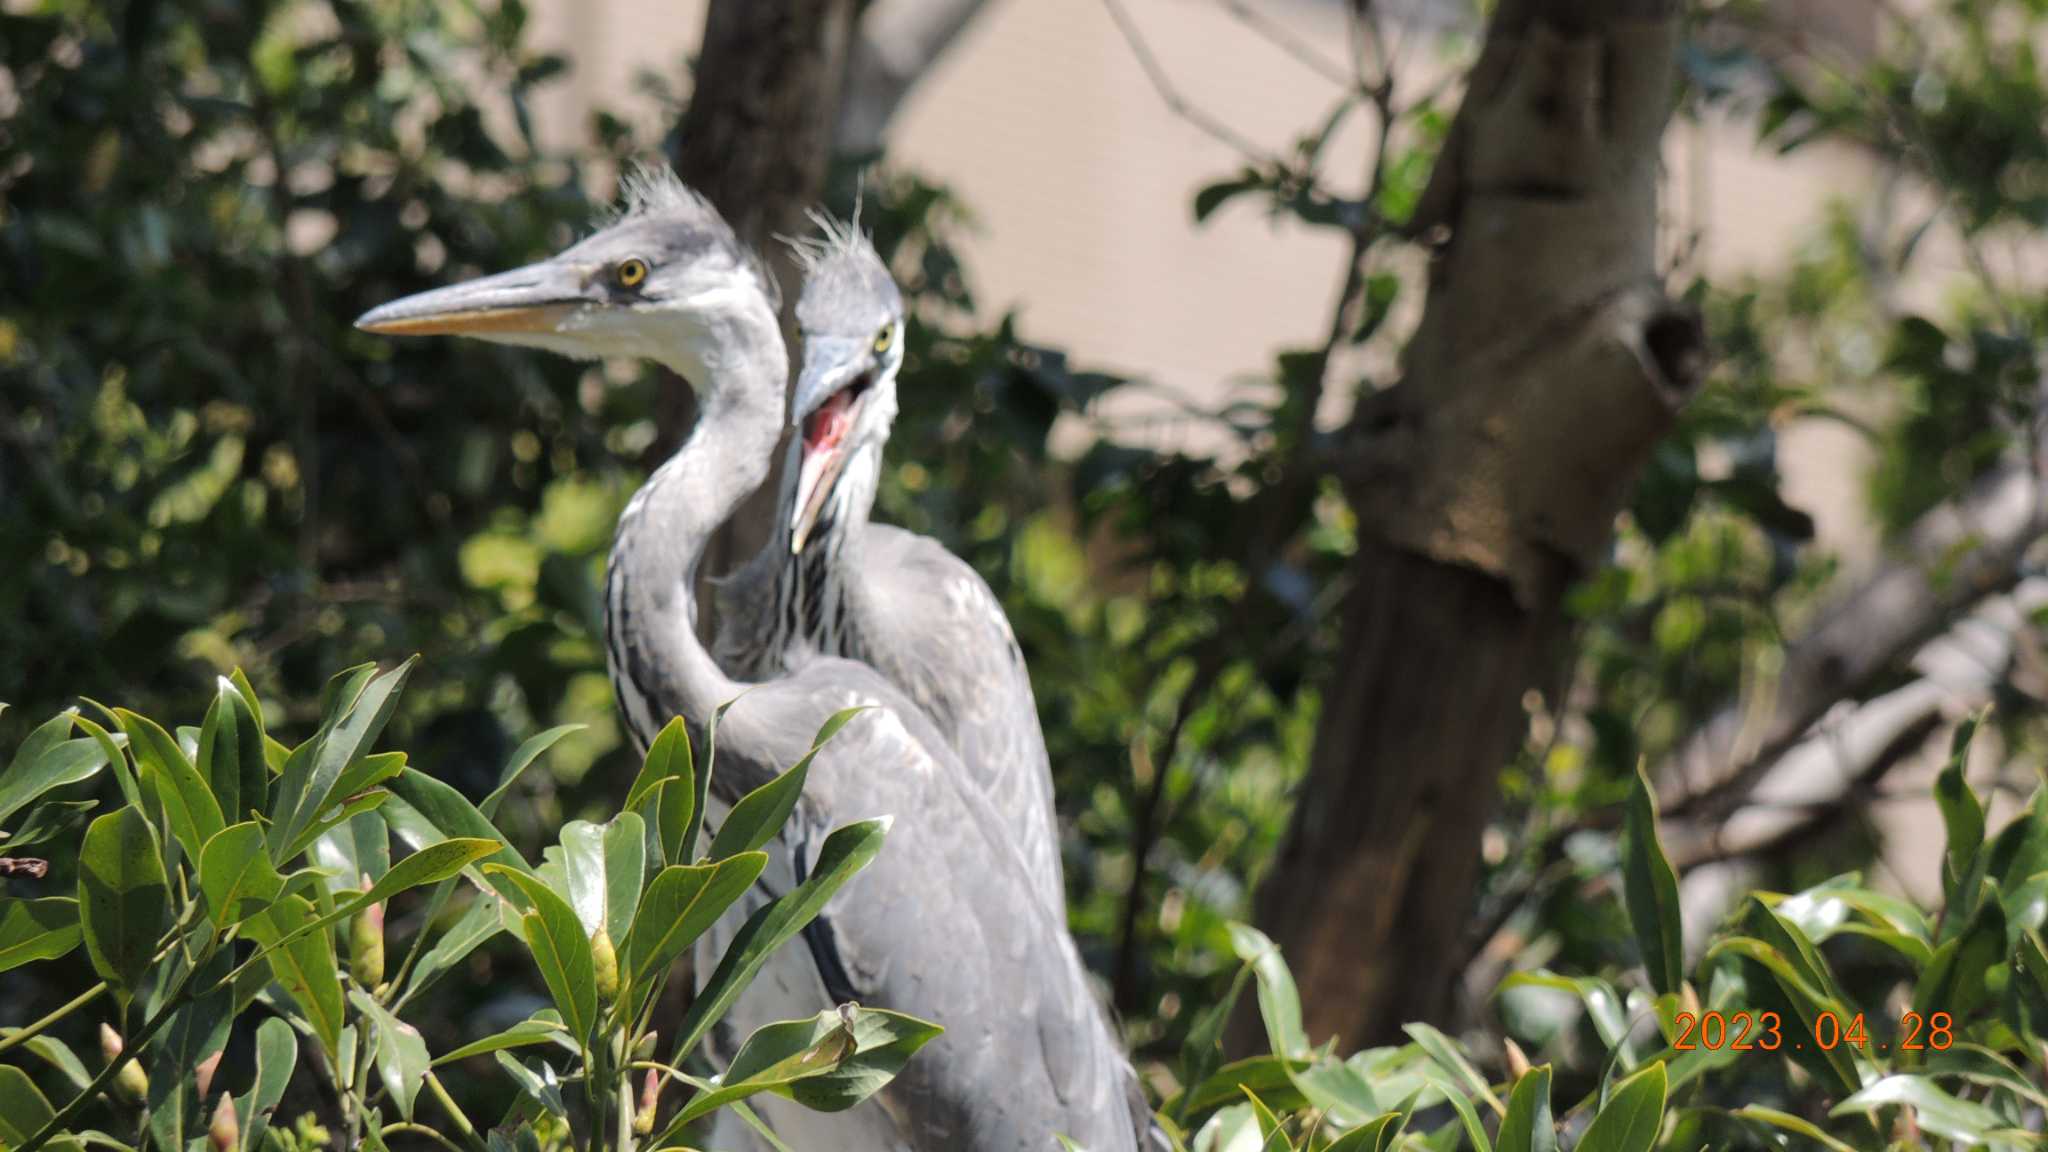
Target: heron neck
x,y
661,667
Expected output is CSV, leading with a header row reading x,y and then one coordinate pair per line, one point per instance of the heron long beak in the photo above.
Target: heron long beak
x,y
827,408
533,299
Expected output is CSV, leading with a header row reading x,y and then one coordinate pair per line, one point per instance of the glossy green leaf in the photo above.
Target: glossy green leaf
x,y
845,852
52,821
1279,1002
664,795
560,950
1651,890
477,924
397,1049
197,1030
338,817
194,813
24,1110
425,811
47,761
351,850
1632,1116
1798,1126
760,814
1445,1053
1934,1109
124,899
301,957
625,872
277,1056
585,874
32,930
357,706
1954,980
543,1087
56,1054
828,1063
236,875
523,758
1961,813
683,901
541,1028
1281,1083
1528,1127
231,755
1375,1135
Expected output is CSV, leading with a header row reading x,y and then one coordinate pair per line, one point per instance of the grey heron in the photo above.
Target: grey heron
x,y
831,582
944,923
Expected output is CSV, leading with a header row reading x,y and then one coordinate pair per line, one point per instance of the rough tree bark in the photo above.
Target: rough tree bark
x,y
898,42
1547,364
756,140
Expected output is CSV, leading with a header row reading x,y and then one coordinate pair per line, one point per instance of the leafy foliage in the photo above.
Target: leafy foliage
x,y
275,928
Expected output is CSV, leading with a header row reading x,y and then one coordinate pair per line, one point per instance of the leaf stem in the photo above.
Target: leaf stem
x,y
448,1105
179,997
24,1035
423,1130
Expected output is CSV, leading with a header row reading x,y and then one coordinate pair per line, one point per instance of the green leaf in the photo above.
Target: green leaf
x,y
1445,1053
1961,812
350,810
398,1050
429,865
541,1028
367,772
301,957
424,811
666,795
583,869
1604,1005
231,755
24,1110
1285,1084
845,852
1527,1126
236,875
351,850
542,1087
123,898
1954,979
561,951
50,821
683,901
194,814
277,1056
760,814
1934,1110
1375,1135
828,1063
522,759
32,930
357,706
478,923
1214,196
56,1054
1651,888
1279,1002
1632,1117
1786,1122
197,1030
46,761
625,871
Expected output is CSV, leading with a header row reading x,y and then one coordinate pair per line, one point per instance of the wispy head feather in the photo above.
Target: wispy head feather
x,y
652,192
847,287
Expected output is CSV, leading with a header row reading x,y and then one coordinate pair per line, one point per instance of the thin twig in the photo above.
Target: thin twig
x,y
1271,31
1177,104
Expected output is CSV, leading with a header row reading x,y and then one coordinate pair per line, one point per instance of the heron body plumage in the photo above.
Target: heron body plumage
x,y
945,922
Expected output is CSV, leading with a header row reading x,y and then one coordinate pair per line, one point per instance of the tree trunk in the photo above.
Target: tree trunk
x,y
1547,364
756,140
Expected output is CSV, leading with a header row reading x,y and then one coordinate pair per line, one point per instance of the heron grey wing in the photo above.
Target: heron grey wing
x,y
931,625
944,924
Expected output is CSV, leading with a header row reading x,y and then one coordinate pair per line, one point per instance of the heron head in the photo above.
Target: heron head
x,y
851,316
659,282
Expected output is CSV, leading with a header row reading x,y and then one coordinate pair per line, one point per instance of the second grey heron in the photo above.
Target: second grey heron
x,y
829,581
944,923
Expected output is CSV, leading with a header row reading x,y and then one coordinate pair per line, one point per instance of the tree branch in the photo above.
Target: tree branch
x,y
896,45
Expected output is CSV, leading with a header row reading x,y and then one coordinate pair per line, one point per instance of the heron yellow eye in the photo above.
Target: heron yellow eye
x,y
885,338
632,272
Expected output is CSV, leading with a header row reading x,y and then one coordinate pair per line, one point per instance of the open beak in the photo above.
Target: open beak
x,y
531,300
828,403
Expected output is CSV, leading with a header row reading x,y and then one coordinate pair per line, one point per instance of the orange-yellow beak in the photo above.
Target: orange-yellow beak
x,y
532,300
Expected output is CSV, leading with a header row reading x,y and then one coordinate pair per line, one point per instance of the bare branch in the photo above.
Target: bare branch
x,y
895,46
1163,84
1277,34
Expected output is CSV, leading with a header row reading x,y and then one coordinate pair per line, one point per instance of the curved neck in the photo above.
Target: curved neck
x,y
659,665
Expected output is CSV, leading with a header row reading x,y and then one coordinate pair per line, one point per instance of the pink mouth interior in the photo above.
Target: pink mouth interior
x,y
826,427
